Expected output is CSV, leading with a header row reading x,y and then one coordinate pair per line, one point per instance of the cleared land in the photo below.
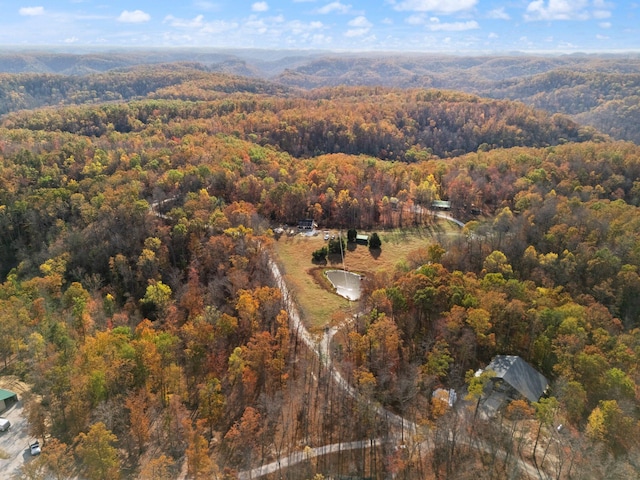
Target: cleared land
x,y
314,293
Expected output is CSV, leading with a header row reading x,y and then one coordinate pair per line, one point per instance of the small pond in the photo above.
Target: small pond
x,y
347,284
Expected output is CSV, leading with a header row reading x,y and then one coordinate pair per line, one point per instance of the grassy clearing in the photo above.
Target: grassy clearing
x,y
317,304
313,292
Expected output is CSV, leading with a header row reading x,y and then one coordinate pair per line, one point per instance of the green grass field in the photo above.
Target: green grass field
x,y
318,304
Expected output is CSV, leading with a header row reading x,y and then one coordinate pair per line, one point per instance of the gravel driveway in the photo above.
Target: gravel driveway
x,y
14,443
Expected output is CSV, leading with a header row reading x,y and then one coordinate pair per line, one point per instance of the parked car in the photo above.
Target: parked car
x,y
4,424
35,448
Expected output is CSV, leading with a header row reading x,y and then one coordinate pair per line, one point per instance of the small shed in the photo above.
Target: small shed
x,y
447,396
7,399
362,239
441,205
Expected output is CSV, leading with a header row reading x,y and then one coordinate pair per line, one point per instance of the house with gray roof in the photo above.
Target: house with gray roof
x,y
514,378
519,375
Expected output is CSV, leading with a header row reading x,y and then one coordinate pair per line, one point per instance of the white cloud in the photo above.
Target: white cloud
x,y
604,24
197,22
360,22
436,26
218,26
356,32
440,6
297,27
602,4
418,19
73,39
493,35
334,7
499,14
601,14
31,11
602,37
558,10
564,46
137,16
256,25
362,27
260,7
253,30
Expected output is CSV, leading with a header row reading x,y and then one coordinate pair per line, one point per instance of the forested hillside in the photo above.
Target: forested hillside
x,y
597,90
389,124
140,301
28,91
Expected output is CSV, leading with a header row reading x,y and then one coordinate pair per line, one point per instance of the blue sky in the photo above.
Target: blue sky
x,y
447,26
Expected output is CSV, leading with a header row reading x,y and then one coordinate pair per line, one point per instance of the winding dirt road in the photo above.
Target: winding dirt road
x,y
305,455
322,348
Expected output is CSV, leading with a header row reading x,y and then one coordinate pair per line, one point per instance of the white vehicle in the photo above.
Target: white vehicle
x,y
35,448
4,424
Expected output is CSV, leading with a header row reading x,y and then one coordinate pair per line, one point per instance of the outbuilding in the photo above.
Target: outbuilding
x,y
441,205
362,239
7,399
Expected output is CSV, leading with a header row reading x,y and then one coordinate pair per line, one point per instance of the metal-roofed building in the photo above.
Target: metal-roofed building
x,y
362,239
441,205
7,399
519,375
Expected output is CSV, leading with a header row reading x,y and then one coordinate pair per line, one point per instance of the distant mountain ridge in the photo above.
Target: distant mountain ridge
x,y
596,90
240,62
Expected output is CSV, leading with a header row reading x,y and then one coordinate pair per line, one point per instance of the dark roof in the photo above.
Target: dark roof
x,y
520,375
306,223
7,394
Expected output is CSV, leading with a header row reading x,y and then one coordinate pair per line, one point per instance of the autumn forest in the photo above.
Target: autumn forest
x,y
145,302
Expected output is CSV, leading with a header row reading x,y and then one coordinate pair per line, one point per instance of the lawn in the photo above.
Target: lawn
x,y
318,304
